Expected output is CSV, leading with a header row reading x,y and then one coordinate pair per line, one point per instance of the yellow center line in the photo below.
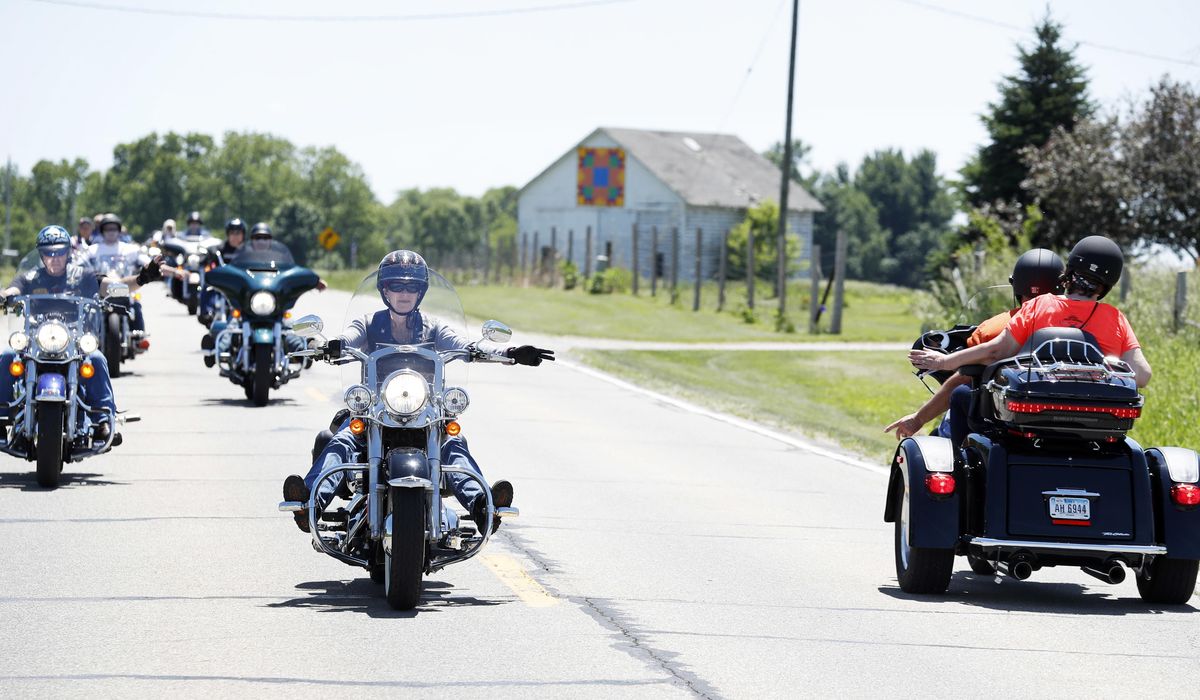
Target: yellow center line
x,y
511,574
316,394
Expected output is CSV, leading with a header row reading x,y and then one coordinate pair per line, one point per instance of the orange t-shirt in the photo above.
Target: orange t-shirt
x,y
990,328
1107,323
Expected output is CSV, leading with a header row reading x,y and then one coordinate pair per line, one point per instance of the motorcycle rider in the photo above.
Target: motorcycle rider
x,y
1036,272
235,236
402,282
58,276
83,234
195,227
1093,269
110,247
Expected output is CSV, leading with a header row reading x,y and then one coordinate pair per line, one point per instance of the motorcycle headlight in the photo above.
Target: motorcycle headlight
x,y
262,303
193,260
88,343
405,393
358,398
455,400
52,337
18,341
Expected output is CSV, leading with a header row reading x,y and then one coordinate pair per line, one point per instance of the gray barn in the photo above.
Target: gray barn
x,y
618,178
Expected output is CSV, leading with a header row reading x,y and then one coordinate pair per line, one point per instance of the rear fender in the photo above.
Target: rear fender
x,y
933,520
1177,527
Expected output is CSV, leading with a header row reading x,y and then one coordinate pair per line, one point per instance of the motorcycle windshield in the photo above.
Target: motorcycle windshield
x,y
987,303
263,256
111,265
443,321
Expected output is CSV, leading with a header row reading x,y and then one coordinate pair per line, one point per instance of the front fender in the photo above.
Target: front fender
x,y
263,336
51,387
933,520
1177,528
410,466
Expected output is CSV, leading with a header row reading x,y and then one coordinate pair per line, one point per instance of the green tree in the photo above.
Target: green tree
x,y
253,173
763,220
800,154
1049,91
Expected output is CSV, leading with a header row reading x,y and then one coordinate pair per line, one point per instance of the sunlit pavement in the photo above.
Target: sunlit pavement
x,y
659,552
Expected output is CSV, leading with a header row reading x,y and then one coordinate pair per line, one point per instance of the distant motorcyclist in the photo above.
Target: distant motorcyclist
x,y
83,234
1036,272
110,250
402,282
195,227
1093,269
58,276
235,236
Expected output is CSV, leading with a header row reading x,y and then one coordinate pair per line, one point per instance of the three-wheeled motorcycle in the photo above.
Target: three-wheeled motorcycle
x,y
406,400
261,284
1048,477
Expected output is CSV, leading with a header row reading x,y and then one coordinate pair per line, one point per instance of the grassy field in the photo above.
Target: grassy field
x,y
872,312
843,399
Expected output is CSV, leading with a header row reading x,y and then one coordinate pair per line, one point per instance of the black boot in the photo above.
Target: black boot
x,y
502,497
295,490
207,343
101,432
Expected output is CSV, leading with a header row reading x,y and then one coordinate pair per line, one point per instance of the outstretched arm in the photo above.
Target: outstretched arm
x,y
936,405
998,348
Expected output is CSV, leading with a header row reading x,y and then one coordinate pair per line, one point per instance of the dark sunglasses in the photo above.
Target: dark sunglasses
x,y
402,286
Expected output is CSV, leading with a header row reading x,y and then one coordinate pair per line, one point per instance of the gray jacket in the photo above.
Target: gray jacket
x,y
372,330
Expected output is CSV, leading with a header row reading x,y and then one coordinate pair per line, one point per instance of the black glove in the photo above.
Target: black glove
x,y
529,355
333,349
151,271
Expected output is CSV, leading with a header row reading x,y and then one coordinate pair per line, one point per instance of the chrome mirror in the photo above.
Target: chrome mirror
x,y
308,326
496,332
117,289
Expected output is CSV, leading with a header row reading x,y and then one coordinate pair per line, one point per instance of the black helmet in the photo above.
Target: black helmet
x,y
1037,271
402,265
260,230
195,217
109,219
235,224
1097,259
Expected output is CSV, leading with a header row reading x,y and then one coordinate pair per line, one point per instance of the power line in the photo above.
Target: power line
x,y
1005,25
465,14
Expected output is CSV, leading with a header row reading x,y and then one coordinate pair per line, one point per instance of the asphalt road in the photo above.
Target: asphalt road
x,y
660,552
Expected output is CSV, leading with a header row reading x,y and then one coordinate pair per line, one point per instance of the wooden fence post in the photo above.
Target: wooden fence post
x,y
1180,299
537,259
553,256
524,258
750,267
814,303
654,261
571,246
634,261
587,253
696,293
722,265
1124,285
674,264
839,281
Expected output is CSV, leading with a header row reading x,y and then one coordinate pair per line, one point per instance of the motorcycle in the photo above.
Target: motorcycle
x,y
50,422
119,341
188,254
1048,477
406,400
260,285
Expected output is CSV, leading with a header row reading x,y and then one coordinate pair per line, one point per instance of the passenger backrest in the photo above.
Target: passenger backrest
x,y
1060,350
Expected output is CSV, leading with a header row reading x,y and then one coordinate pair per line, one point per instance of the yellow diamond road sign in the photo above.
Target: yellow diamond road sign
x,y
328,238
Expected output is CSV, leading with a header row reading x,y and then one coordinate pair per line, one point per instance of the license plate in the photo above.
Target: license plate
x,y
1067,508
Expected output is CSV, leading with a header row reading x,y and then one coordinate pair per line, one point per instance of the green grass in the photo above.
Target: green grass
x,y
844,398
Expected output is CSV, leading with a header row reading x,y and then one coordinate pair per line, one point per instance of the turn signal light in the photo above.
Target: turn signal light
x,y
287,315
87,370
237,314
16,369
453,428
940,484
1039,407
1186,494
357,426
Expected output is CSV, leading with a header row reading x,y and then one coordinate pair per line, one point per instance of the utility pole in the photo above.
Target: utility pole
x,y
8,168
781,280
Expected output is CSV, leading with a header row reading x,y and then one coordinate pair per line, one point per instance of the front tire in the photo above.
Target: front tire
x,y
403,568
919,569
112,344
49,445
1172,581
263,371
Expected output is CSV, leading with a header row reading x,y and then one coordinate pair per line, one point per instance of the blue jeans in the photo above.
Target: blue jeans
x,y
139,321
96,392
960,405
346,447
208,300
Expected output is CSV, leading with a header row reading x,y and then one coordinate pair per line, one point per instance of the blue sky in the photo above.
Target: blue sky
x,y
474,102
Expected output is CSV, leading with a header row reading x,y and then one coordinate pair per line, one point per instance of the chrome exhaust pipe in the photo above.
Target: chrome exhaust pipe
x,y
1109,572
1020,569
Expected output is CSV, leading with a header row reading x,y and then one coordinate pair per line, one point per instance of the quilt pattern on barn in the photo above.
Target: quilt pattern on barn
x,y
601,181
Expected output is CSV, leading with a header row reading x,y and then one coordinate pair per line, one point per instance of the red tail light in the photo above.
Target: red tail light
x,y
1186,494
144,344
1039,407
940,484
